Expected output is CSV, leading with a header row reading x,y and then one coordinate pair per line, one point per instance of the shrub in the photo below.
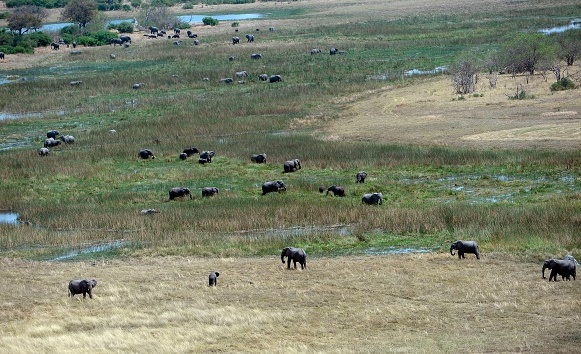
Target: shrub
x,y
136,3
125,27
210,21
182,25
563,84
126,7
103,37
188,6
235,24
87,41
40,39
4,15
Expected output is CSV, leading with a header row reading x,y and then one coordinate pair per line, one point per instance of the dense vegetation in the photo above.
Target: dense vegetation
x,y
92,192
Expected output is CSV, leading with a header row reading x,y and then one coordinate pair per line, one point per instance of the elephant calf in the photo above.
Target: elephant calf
x,y
465,247
82,286
209,191
212,279
360,177
291,166
258,158
146,154
563,267
337,191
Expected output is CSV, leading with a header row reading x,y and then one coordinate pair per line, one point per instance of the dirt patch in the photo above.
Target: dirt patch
x,y
430,113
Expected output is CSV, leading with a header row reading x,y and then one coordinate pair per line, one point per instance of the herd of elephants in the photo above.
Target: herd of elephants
x,y
566,267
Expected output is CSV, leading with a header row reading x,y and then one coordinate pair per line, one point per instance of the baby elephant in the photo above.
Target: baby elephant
x,y
209,191
212,279
82,286
464,247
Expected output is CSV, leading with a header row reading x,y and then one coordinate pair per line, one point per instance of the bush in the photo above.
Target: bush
x,y
87,41
4,15
235,24
125,27
188,6
72,29
210,21
126,7
562,85
40,39
136,3
103,37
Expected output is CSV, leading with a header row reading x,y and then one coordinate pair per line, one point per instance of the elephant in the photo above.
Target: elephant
x,y
202,161
52,134
227,80
149,211
76,83
212,279
138,85
262,77
178,192
322,189
146,154
241,74
249,38
115,41
372,198
275,78
256,56
125,39
207,155
153,30
273,186
50,142
337,191
196,42
465,247
177,30
191,34
43,151
232,58
295,255
82,286
563,267
190,151
258,158
209,191
271,29
360,177
235,40
292,165
333,51
68,139
183,156
55,46
315,51
2,55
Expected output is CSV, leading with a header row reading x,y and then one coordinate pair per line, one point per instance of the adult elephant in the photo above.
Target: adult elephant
x,y
2,55
207,155
43,151
55,46
563,267
125,39
360,177
115,41
212,279
258,158
256,56
153,30
291,165
209,191
50,142
82,286
262,77
295,255
275,78
273,186
179,192
235,40
191,150
249,38
146,154
52,134
337,191
464,247
315,51
68,139
372,198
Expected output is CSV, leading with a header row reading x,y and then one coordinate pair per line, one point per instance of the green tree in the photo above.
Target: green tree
x,y
27,17
525,52
80,11
569,45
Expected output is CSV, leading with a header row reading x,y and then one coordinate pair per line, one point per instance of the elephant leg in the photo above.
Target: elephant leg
x,y
288,263
553,275
295,263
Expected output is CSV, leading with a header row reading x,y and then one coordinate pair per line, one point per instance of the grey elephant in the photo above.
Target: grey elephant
x,y
82,286
212,279
125,39
273,186
563,267
68,139
146,154
315,51
227,80
256,56
207,155
235,40
209,191
465,247
258,158
190,151
178,192
52,134
115,41
43,151
360,177
249,38
50,142
275,78
322,189
153,30
262,77
295,255
183,156
372,198
337,191
291,166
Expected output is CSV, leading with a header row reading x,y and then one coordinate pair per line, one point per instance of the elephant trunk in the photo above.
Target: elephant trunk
x,y
282,256
452,250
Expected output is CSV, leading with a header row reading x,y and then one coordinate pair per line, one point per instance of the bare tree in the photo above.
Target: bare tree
x,y
156,16
464,76
25,18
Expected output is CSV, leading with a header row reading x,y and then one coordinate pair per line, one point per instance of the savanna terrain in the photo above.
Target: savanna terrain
x,y
379,278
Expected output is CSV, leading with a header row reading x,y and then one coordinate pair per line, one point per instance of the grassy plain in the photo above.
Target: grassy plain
x,y
502,172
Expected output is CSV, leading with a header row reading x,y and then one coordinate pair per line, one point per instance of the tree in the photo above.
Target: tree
x,y
27,17
80,11
569,45
465,74
524,53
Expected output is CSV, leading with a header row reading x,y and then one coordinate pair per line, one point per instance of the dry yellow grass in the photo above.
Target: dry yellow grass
x,y
431,303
